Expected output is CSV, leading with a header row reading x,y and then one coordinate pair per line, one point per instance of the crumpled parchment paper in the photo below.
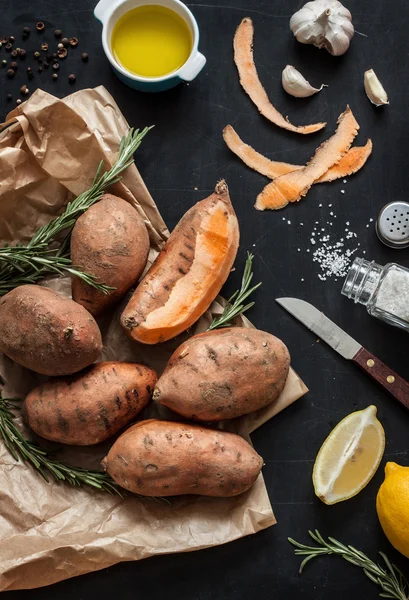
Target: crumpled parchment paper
x,y
49,152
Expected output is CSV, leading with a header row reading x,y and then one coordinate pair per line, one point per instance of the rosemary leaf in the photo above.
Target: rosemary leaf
x,y
235,306
391,580
22,264
22,449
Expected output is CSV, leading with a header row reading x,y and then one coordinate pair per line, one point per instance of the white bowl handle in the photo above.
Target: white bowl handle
x,y
192,68
101,9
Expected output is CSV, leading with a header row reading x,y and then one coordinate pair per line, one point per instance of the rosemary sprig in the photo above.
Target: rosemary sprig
x,y
28,263
20,448
235,305
390,579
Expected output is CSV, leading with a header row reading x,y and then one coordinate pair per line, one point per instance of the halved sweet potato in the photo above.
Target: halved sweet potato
x,y
188,273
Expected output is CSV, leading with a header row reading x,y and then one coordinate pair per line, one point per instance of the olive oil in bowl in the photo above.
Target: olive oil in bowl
x,y
151,41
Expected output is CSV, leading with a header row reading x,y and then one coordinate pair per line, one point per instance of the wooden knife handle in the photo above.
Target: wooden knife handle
x,y
390,381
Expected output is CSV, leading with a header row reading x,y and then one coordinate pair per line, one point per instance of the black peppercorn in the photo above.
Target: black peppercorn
x,y
10,73
11,39
44,46
36,55
58,33
13,65
14,53
40,26
24,90
62,52
73,42
55,75
26,31
9,97
65,42
22,53
84,57
40,69
46,65
72,78
18,101
56,66
9,47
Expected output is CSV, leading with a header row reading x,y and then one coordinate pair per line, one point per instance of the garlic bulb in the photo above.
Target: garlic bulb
x,y
374,89
324,23
296,85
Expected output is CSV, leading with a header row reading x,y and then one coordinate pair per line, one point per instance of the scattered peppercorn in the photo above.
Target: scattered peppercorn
x,y
65,42
40,26
60,45
44,46
72,78
40,69
3,40
36,55
9,97
18,50
9,47
58,33
22,53
10,73
11,39
55,75
24,90
73,42
46,65
26,31
62,52
3,63
56,66
30,74
13,65
84,57
18,101
14,53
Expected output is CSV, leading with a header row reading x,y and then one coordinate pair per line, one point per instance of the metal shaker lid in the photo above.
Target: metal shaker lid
x,y
392,226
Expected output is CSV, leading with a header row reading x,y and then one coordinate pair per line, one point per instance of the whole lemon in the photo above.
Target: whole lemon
x,y
392,506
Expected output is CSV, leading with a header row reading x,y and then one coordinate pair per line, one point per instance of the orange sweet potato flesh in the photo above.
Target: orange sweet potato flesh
x,y
349,164
162,458
91,406
188,273
243,57
110,241
293,186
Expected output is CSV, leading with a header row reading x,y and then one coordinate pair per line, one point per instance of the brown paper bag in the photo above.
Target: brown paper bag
x,y
49,152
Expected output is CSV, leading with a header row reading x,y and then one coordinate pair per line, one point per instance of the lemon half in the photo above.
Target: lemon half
x,y
349,457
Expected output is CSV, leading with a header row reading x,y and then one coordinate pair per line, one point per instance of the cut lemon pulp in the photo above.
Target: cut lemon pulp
x,y
349,457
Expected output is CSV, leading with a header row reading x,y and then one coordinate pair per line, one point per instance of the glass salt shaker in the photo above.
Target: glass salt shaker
x,y
383,290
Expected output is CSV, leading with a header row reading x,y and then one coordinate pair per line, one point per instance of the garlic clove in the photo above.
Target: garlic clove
x,y
296,85
374,89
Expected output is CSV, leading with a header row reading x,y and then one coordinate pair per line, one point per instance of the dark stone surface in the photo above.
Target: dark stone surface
x,y
185,151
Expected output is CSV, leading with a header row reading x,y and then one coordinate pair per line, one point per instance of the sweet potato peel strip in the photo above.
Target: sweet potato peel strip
x,y
294,185
243,57
349,164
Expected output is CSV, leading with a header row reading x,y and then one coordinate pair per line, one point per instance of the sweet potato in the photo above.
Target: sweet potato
x,y
161,458
223,374
47,332
188,273
91,406
111,242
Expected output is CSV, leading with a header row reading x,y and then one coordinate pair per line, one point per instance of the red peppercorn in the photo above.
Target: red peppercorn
x,y
73,42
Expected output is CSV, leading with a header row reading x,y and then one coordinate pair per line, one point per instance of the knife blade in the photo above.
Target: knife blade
x,y
347,347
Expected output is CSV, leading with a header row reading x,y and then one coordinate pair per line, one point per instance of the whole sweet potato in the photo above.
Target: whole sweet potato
x,y
162,458
110,241
188,273
47,332
90,406
223,374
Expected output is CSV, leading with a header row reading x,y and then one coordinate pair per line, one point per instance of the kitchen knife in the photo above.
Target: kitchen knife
x,y
347,347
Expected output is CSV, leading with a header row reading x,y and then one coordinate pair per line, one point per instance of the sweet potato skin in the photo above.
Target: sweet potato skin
x,y
47,332
188,273
224,374
91,406
162,458
111,241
